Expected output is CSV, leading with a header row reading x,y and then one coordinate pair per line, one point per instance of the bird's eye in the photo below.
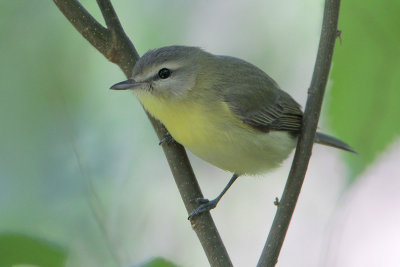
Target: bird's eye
x,y
164,73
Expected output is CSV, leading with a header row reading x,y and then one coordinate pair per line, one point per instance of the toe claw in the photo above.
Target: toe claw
x,y
167,139
204,207
201,200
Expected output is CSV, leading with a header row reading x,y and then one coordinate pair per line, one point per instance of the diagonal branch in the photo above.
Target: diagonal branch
x,y
273,245
189,189
98,36
122,52
113,43
109,15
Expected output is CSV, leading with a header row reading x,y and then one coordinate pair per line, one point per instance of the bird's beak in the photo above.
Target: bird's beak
x,y
128,84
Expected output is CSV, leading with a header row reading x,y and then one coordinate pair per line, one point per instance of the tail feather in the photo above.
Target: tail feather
x,y
328,140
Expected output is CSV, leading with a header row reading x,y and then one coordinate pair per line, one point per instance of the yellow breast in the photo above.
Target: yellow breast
x,y
211,132
188,122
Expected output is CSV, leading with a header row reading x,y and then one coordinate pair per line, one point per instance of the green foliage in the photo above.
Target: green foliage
x,y
158,262
21,249
364,108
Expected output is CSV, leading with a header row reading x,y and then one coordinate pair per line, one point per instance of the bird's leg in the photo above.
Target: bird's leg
x,y
206,205
167,139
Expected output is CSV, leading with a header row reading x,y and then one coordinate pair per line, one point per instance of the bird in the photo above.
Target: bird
x,y
223,109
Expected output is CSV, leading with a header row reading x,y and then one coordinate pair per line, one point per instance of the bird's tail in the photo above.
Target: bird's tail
x,y
328,140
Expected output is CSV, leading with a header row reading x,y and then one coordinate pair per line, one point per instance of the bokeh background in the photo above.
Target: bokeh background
x,y
84,183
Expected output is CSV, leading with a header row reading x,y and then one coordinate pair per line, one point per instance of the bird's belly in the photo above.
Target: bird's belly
x,y
234,148
243,153
220,138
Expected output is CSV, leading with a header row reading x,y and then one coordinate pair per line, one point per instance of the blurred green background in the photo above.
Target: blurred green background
x,y
84,183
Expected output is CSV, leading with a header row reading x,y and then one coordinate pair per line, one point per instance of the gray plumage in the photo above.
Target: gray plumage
x,y
223,109
251,95
257,99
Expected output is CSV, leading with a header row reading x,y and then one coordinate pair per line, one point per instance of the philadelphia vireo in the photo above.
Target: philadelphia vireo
x,y
223,109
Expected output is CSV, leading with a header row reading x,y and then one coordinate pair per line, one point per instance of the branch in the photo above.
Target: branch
x,y
121,52
113,43
273,245
189,189
98,36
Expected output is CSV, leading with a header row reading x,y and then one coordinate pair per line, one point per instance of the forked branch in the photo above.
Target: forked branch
x,y
113,43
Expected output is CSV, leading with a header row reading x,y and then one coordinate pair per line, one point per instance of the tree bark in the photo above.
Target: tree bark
x,y
113,43
287,204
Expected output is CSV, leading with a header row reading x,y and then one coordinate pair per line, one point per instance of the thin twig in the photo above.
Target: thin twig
x,y
93,199
121,52
98,36
116,47
109,15
287,204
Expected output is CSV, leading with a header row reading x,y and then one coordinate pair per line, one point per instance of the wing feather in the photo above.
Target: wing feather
x,y
270,116
257,100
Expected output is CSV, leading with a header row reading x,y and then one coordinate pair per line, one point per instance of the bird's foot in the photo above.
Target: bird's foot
x,y
205,205
167,139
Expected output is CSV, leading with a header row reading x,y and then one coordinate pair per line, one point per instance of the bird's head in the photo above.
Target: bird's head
x,y
169,72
